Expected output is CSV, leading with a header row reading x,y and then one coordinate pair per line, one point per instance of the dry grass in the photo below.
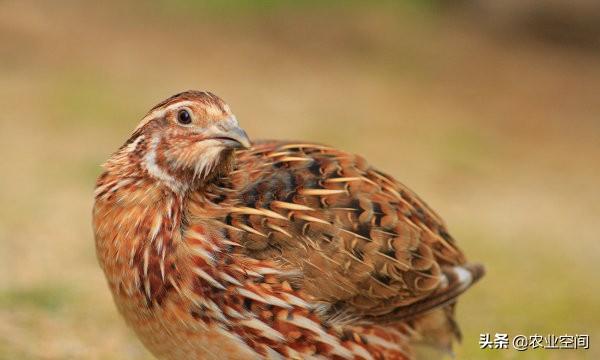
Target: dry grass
x,y
501,137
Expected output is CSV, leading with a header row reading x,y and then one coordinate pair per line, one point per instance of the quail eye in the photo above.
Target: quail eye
x,y
184,117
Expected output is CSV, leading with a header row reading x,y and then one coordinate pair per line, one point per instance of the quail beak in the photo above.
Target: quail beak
x,y
234,137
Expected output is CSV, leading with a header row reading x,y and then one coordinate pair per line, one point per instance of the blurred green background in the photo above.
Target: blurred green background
x,y
489,110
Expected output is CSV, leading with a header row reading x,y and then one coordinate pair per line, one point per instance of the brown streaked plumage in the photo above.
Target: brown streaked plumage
x,y
216,248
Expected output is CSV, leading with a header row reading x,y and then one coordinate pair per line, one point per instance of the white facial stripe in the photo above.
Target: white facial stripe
x,y
156,171
158,113
133,145
173,106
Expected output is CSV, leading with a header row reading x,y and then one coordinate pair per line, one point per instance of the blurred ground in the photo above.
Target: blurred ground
x,y
500,134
